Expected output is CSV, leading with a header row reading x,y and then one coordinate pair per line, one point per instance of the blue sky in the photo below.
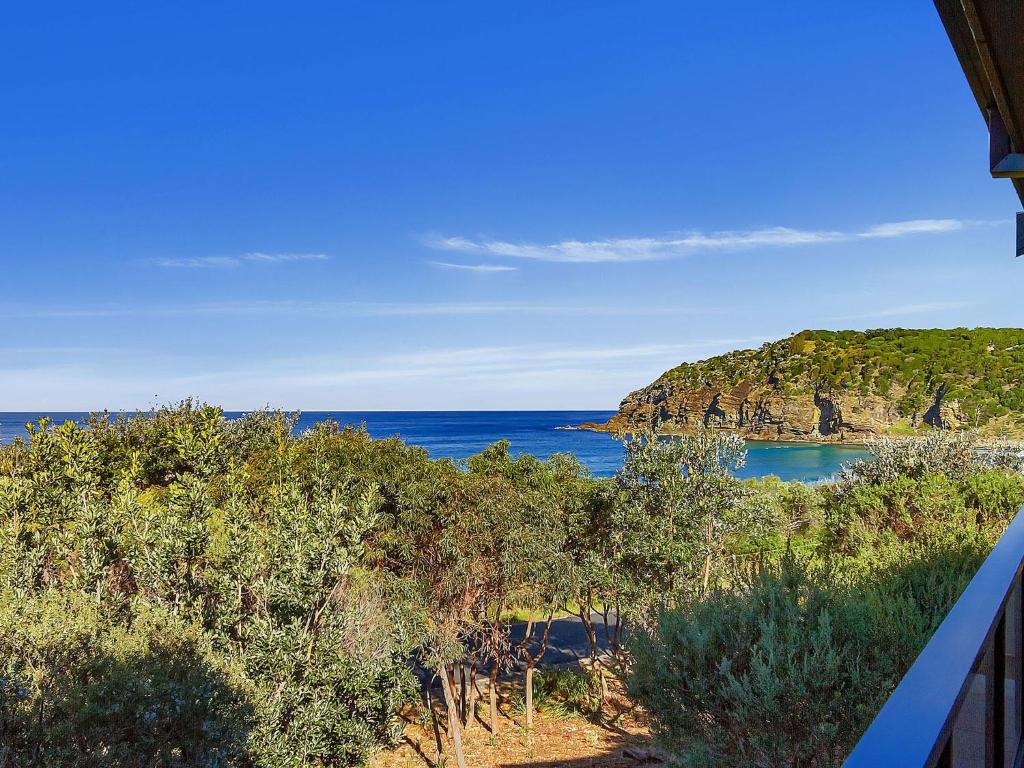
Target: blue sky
x,y
472,205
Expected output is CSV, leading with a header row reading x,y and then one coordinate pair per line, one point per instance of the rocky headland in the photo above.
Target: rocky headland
x,y
842,386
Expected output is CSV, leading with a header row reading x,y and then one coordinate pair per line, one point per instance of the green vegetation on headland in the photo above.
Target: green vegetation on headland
x,y
181,589
845,385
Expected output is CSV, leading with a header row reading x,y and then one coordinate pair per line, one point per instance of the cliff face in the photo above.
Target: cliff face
x,y
764,411
844,386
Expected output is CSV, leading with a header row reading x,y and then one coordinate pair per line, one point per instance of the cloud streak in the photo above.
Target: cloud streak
x,y
232,262
657,248
444,377
913,227
901,310
361,309
474,267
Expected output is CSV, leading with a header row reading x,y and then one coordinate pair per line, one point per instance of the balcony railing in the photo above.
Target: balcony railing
x,y
959,705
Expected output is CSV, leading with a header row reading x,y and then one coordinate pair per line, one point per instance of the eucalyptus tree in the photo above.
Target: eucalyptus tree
x,y
590,514
525,503
679,502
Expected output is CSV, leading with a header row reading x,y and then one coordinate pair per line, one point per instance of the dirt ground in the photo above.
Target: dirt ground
x,y
620,740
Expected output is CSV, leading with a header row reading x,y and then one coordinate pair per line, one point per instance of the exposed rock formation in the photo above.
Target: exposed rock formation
x,y
761,411
830,386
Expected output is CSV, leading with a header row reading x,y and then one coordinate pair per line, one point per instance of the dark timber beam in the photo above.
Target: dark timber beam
x,y
1004,162
988,39
1020,234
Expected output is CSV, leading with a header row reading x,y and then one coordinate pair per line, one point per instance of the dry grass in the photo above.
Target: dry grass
x,y
555,742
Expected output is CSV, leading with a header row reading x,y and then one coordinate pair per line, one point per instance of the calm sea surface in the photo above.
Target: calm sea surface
x,y
458,434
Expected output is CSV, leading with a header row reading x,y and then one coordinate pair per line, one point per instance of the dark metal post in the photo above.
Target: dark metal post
x,y
999,694
1020,234
998,139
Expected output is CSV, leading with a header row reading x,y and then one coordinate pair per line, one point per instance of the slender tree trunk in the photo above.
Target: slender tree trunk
x,y
587,618
459,687
454,727
492,691
529,697
464,691
527,633
449,675
605,624
709,533
531,663
591,630
612,629
471,704
528,691
428,699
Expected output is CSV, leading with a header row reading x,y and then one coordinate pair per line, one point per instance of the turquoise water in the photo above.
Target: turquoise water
x,y
458,434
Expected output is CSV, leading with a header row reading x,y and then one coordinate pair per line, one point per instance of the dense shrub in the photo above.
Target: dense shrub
x,y
183,589
248,546
790,667
790,514
680,504
318,568
953,454
81,688
909,489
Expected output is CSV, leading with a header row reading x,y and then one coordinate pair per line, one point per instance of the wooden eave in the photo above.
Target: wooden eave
x,y
988,38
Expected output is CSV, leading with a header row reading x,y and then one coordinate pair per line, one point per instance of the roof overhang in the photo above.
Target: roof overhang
x,y
988,38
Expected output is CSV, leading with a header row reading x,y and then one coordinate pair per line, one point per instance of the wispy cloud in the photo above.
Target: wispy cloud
x,y
475,267
914,227
199,262
531,364
654,248
569,376
279,257
901,310
363,309
503,357
230,262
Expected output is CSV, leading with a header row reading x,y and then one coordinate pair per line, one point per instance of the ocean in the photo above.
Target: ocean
x,y
459,434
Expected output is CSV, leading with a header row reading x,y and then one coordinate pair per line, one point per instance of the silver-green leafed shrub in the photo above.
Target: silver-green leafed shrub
x,y
788,669
78,687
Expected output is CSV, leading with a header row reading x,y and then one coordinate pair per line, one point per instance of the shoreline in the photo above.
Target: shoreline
x,y
859,442
862,442
587,427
